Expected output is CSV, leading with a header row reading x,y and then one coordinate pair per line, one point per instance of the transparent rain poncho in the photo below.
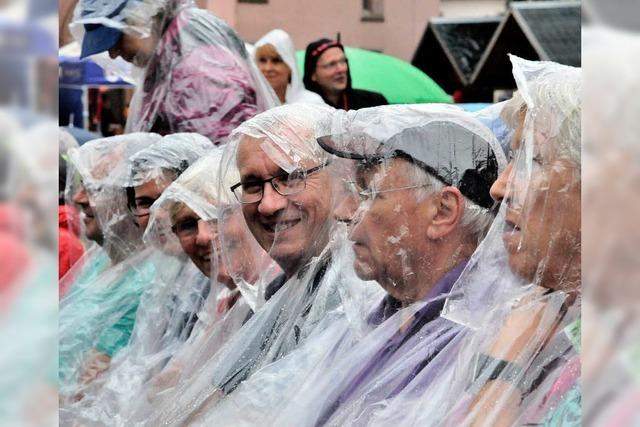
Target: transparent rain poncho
x,y
217,307
341,370
98,312
168,307
196,75
283,45
516,361
298,234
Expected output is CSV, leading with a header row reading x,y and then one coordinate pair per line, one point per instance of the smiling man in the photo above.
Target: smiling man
x,y
326,72
286,199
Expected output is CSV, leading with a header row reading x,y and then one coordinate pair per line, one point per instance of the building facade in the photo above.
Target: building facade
x,y
394,27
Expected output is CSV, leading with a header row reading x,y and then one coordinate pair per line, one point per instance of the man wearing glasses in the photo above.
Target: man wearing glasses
x,y
288,209
422,183
326,72
153,169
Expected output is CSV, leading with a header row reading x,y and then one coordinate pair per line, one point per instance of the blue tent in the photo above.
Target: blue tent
x,y
75,77
85,72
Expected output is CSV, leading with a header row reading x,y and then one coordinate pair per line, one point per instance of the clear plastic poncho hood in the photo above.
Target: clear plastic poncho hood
x,y
517,358
174,153
96,173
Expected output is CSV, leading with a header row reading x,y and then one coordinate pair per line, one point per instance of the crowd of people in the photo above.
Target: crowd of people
x,y
266,249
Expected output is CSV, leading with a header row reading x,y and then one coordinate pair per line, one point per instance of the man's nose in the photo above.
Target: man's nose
x,y
271,202
499,187
346,209
203,237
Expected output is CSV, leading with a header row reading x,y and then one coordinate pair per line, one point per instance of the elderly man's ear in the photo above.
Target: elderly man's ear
x,y
446,209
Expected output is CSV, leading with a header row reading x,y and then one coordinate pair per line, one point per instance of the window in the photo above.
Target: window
x,y
373,10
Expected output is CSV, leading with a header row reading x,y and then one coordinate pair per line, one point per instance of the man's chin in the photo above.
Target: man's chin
x,y
363,270
520,265
95,236
286,256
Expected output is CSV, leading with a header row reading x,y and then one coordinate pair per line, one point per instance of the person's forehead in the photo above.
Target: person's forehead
x,y
262,157
387,168
146,187
330,54
252,158
267,51
518,135
184,213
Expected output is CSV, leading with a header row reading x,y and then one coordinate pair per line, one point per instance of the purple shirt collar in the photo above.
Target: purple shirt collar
x,y
434,298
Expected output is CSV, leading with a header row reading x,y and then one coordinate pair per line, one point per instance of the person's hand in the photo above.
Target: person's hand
x,y
166,379
96,364
520,327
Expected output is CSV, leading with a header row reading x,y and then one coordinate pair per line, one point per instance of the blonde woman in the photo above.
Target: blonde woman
x,y
275,56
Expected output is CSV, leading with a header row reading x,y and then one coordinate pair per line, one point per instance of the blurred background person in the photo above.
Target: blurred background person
x,y
70,247
611,310
197,74
276,58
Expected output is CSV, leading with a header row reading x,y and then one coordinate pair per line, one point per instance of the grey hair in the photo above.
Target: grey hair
x,y
475,221
558,100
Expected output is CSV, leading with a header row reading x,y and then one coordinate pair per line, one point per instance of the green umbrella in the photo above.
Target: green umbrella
x,y
399,81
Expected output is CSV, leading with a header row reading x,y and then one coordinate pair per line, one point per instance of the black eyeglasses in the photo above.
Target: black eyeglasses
x,y
141,206
186,228
285,184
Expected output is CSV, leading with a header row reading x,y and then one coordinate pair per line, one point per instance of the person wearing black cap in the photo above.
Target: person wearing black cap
x,y
326,72
423,176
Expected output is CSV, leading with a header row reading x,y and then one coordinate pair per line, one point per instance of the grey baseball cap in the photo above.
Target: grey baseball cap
x,y
457,150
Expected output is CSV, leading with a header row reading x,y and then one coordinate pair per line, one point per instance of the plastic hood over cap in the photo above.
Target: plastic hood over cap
x,y
135,17
445,141
282,43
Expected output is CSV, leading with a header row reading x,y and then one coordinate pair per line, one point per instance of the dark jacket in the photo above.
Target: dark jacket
x,y
352,99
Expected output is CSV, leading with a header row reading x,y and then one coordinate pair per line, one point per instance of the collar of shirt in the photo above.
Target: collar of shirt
x,y
434,300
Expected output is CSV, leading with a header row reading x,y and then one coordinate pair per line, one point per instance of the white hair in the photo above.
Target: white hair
x,y
475,219
556,100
